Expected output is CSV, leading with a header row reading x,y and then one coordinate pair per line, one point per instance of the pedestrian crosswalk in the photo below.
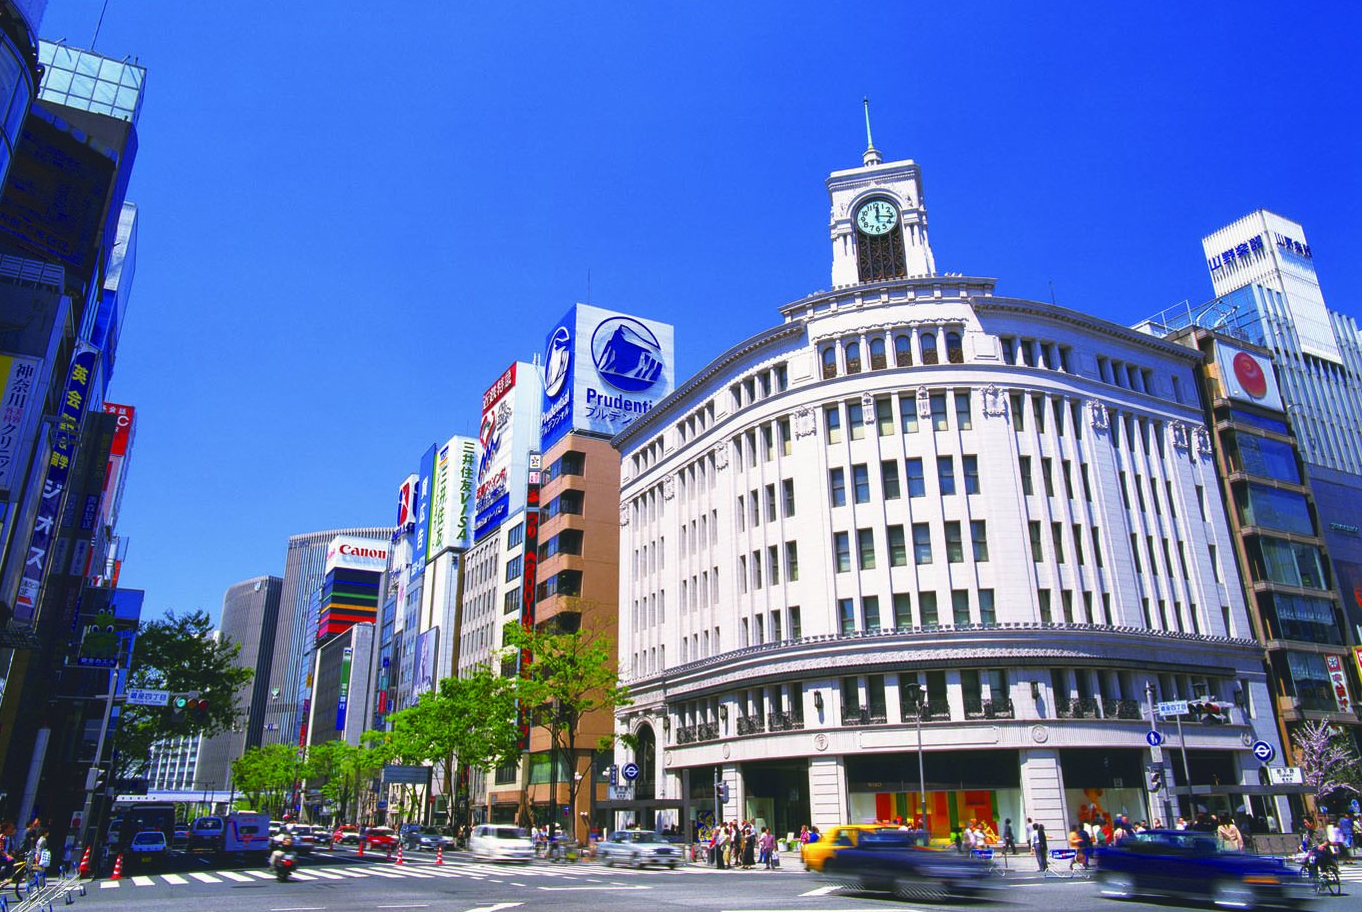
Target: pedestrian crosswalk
x,y
474,871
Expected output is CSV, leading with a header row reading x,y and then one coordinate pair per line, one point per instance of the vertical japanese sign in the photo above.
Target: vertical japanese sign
x,y
1339,681
75,398
529,579
426,473
439,505
19,376
343,700
461,532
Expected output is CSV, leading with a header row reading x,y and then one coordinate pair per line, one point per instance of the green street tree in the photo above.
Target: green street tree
x,y
266,775
177,653
339,771
570,677
469,720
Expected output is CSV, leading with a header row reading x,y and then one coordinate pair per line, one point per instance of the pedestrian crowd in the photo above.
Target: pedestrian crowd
x,y
31,847
740,845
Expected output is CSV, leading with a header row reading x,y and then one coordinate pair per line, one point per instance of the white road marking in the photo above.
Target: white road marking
x,y
206,878
261,874
173,879
405,906
822,891
377,873
142,880
324,875
495,907
566,889
110,883
301,876
233,875
299,909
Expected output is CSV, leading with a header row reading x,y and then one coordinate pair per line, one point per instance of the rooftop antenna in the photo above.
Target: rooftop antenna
x,y
872,155
588,286
102,10
1052,292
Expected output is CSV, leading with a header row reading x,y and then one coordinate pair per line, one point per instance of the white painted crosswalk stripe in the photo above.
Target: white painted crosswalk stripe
x,y
376,872
233,875
261,874
324,875
301,876
204,877
142,880
110,883
173,879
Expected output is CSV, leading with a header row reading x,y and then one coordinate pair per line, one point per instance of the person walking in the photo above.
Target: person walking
x,y
1231,840
721,847
1041,848
768,847
1009,838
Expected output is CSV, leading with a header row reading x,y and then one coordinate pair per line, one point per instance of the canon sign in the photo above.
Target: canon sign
x,y
352,551
357,554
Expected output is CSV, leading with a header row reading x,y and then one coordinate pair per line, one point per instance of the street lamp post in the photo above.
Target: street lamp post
x,y
915,693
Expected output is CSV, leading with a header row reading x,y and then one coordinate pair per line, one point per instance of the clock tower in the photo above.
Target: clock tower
x,y
879,221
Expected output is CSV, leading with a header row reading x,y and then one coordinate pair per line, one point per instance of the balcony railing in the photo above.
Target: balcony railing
x,y
979,708
1113,708
864,717
751,725
701,731
933,711
784,721
1077,708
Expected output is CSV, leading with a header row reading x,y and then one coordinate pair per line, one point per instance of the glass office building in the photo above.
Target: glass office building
x,y
18,72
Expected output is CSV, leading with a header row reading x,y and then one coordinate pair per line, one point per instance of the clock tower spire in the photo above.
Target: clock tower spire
x,y
879,220
872,155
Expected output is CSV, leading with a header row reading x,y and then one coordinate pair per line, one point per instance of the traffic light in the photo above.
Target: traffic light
x,y
1154,778
94,779
179,706
723,793
200,708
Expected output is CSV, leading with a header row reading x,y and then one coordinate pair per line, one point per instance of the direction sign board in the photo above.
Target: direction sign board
x,y
1285,775
622,792
1154,738
1173,708
139,697
629,771
1264,751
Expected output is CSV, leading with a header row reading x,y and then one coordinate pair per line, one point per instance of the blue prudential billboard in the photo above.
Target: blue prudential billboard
x,y
602,370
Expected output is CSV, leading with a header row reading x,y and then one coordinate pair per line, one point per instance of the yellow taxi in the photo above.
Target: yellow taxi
x,y
833,838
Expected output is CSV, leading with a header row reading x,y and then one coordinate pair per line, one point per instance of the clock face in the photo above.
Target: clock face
x,y
877,217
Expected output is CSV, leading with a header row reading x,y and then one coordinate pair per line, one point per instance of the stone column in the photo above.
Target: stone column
x,y
828,805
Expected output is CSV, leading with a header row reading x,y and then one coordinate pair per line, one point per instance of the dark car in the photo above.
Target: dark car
x,y
1189,865
896,861
428,838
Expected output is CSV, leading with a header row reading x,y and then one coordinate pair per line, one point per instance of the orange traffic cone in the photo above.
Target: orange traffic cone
x,y
118,869
361,848
399,854
440,855
85,862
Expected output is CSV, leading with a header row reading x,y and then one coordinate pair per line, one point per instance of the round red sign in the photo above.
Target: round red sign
x,y
1250,375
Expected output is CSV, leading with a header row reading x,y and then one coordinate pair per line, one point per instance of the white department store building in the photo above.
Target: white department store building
x,y
911,486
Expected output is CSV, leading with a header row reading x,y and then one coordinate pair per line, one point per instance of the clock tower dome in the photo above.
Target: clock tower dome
x,y
879,221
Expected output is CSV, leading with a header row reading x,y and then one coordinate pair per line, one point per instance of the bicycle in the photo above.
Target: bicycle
x,y
1323,878
990,859
21,878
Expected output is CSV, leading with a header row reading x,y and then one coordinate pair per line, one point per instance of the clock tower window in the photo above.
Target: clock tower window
x,y
880,256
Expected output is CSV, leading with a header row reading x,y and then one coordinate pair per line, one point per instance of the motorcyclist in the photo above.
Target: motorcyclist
x,y
285,849
1320,856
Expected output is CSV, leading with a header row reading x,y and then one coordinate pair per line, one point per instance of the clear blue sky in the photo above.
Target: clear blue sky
x,y
354,216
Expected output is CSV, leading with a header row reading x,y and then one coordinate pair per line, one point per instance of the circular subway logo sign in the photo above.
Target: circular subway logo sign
x,y
557,359
627,354
1250,375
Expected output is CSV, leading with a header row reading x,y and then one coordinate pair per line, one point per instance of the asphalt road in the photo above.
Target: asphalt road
x,y
341,881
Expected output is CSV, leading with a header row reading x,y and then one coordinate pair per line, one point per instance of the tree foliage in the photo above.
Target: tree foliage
x,y
266,776
339,770
177,653
571,676
1328,761
468,720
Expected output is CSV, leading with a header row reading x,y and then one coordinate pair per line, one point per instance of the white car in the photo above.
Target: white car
x,y
500,842
638,849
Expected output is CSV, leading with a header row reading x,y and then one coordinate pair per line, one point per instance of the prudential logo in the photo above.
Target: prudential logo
x,y
627,354
557,360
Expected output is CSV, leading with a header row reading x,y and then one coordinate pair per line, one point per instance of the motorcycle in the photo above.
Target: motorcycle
x,y
283,866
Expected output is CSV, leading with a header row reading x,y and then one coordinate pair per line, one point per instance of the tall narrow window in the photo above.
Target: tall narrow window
x,y
837,487
903,351
917,484
877,359
928,343
855,420
832,418
829,363
880,256
853,357
846,617
860,480
884,416
939,421
865,548
889,479
979,535
898,548
903,611
955,549
1037,549
787,496
1024,463
955,354
841,547
945,475
970,464
792,561
960,607
922,543
962,410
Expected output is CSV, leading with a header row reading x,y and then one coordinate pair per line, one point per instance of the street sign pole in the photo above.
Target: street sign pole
x,y
1156,755
1186,773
